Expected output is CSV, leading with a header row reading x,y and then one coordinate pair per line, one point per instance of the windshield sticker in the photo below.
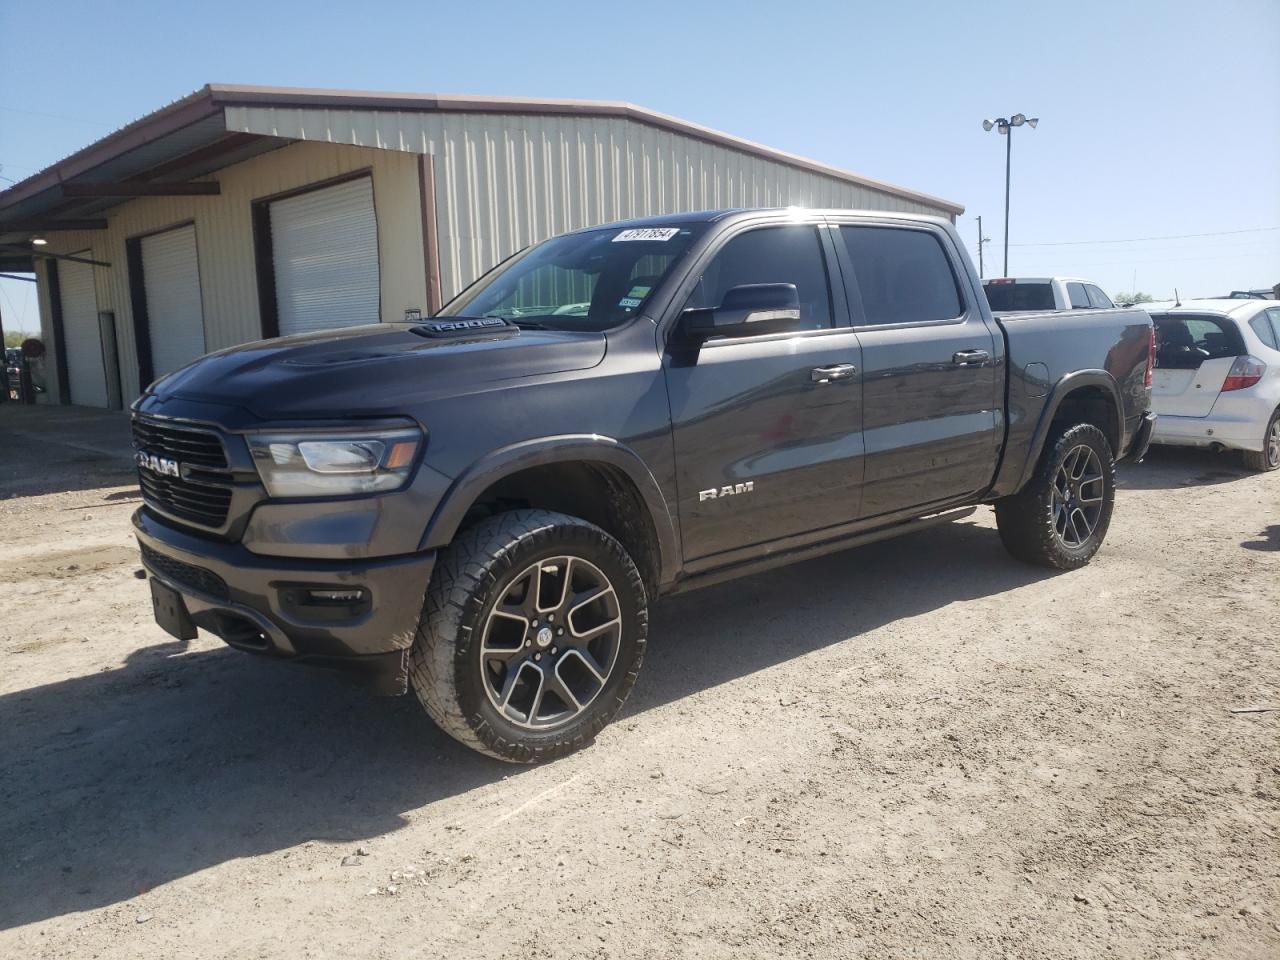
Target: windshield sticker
x,y
639,292
630,302
647,233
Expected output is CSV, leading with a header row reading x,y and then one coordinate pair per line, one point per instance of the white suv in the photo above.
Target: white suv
x,y
1217,377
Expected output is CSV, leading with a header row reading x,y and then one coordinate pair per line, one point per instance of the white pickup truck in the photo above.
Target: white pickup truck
x,y
1026,294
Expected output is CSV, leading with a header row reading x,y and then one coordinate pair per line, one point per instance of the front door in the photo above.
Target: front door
x,y
931,382
767,445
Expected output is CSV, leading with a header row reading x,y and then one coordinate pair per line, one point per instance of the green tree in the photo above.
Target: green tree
x,y
14,338
1129,299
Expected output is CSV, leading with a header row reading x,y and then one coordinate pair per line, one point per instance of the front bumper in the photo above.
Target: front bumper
x,y
252,602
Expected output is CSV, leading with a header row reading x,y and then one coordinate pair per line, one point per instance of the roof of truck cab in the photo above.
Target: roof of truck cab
x,y
713,216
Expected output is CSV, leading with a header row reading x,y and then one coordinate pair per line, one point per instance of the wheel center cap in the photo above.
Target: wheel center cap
x,y
544,637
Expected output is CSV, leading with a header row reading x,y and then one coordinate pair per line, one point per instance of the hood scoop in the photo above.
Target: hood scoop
x,y
466,327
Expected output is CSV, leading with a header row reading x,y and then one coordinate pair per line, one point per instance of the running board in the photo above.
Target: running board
x,y
783,557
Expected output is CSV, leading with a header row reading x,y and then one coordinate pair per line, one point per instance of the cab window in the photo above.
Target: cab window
x,y
1079,299
1097,298
785,254
903,276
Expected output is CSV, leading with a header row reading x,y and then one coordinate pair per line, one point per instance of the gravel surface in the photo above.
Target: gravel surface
x,y
916,749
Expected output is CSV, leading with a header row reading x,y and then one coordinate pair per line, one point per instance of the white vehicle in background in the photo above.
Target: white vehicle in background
x,y
1025,294
1217,377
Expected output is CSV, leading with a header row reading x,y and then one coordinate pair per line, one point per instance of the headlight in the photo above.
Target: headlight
x,y
329,465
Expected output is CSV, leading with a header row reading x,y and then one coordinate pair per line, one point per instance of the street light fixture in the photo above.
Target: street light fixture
x,y
1005,128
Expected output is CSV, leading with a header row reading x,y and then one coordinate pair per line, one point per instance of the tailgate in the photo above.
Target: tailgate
x,y
1189,393
1194,353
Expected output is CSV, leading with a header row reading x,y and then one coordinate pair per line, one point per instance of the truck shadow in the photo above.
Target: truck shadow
x,y
116,782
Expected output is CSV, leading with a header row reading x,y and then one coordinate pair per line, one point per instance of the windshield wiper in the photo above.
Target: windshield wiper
x,y
527,324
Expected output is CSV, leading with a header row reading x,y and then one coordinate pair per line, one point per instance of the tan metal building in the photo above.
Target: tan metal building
x,y
239,213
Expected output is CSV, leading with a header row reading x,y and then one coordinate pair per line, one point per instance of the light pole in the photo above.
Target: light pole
x,y
1006,130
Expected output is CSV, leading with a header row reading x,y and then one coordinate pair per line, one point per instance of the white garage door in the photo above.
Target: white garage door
x,y
325,250
85,370
171,279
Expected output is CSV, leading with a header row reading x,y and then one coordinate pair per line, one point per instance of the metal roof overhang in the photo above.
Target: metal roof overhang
x,y
189,139
175,145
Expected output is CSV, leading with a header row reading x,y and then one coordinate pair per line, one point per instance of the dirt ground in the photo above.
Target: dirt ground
x,y
916,749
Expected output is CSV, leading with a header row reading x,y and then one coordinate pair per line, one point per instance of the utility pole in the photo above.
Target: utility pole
x,y
982,241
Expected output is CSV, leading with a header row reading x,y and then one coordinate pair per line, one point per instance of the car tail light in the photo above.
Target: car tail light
x,y
1245,372
1151,355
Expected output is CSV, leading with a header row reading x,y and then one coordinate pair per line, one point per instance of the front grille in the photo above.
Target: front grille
x,y
202,493
186,575
196,447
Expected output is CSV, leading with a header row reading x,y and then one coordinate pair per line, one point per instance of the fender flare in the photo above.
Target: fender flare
x,y
572,448
1061,390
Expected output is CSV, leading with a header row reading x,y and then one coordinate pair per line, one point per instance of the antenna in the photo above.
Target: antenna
x,y
1177,300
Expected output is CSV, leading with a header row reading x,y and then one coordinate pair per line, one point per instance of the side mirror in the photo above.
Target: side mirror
x,y
747,310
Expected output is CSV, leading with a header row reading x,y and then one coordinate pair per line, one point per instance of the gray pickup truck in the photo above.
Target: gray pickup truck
x,y
483,506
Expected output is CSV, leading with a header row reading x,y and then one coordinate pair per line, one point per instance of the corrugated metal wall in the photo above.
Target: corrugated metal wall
x,y
224,238
503,182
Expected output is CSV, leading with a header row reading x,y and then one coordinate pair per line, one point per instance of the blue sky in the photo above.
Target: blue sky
x,y
1157,118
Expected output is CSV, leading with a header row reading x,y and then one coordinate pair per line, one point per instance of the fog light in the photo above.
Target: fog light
x,y
336,596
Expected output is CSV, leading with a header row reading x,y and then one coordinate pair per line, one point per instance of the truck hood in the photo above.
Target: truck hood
x,y
376,369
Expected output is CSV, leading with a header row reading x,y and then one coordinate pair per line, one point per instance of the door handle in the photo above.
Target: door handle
x,y
839,371
970,358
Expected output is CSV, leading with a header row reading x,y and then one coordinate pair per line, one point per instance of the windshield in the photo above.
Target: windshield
x,y
1019,296
582,281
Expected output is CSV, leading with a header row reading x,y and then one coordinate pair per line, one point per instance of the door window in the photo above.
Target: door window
x,y
791,254
1097,298
903,276
1079,299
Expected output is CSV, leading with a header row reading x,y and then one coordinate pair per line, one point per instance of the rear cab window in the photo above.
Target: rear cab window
x,y
1019,296
1184,341
902,275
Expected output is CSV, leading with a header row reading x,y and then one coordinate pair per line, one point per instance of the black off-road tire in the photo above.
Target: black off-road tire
x,y
1268,458
471,576
1029,520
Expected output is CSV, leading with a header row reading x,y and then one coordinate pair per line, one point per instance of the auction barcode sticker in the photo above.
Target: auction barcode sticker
x,y
647,233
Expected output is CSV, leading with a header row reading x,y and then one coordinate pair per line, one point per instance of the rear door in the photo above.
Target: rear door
x,y
1194,352
931,385
766,445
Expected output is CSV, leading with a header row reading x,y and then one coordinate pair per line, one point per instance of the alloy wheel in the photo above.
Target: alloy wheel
x,y
551,642
1078,489
1273,443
